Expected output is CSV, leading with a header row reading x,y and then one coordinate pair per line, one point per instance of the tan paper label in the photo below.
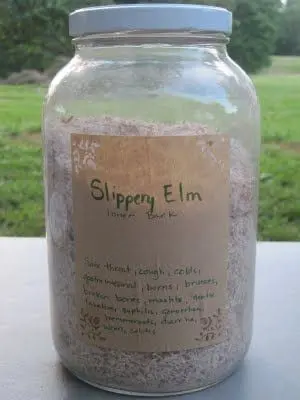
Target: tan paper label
x,y
151,218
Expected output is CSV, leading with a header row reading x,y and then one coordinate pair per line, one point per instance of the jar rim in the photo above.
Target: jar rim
x,y
149,17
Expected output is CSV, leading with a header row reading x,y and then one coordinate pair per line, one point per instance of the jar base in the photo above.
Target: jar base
x,y
148,394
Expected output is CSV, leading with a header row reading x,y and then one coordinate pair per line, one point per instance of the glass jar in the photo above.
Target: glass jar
x,y
151,142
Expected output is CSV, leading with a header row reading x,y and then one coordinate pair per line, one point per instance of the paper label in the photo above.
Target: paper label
x,y
151,220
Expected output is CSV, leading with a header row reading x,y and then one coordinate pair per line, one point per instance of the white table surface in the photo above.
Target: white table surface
x,y
30,370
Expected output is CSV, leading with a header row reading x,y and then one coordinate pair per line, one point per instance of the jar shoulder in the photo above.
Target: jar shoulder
x,y
198,77
199,87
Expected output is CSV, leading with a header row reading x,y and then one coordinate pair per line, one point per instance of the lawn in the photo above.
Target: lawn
x,y
21,186
284,66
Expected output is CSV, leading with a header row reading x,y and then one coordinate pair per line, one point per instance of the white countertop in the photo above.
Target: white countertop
x,y
30,370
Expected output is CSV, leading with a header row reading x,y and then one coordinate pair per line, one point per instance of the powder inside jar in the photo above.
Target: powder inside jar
x,y
149,372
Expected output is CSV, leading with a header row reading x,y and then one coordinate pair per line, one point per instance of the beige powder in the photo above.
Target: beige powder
x,y
147,372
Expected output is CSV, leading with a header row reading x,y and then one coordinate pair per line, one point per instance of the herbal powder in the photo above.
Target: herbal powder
x,y
135,371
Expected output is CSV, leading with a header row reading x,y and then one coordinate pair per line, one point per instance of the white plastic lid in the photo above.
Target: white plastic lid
x,y
149,17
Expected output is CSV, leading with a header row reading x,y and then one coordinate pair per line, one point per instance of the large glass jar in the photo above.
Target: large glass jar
x,y
151,137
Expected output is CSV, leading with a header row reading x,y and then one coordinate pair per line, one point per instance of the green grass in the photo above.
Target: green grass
x,y
279,208
20,109
284,66
279,212
280,105
21,186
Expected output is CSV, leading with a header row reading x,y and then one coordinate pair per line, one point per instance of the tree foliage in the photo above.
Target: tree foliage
x,y
32,34
254,32
288,42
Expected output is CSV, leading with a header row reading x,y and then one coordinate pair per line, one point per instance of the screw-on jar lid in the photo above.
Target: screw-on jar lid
x,y
149,17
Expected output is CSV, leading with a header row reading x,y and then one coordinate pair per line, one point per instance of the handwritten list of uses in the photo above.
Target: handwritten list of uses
x,y
151,237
